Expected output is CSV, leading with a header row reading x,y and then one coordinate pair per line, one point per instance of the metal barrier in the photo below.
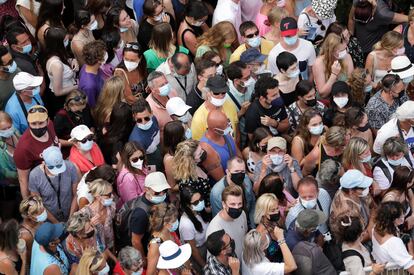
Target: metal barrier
x,y
390,269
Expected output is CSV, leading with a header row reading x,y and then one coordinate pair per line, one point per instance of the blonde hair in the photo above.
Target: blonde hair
x,y
263,205
184,166
112,93
217,35
328,48
389,41
77,222
161,214
90,262
30,206
355,148
334,136
99,187
276,14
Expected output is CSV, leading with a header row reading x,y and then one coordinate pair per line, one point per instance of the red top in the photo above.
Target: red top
x,y
82,162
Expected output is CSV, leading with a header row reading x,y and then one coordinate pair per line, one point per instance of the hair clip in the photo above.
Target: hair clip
x,y
348,223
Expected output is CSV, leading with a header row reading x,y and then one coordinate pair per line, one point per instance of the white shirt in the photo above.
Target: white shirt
x,y
379,176
227,10
390,129
304,52
304,22
82,190
264,268
392,251
188,232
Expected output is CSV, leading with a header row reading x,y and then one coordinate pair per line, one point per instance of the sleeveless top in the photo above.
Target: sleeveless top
x,y
43,260
324,156
17,264
377,74
409,49
68,78
226,151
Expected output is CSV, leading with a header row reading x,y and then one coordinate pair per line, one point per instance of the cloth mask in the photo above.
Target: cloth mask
x,y
39,132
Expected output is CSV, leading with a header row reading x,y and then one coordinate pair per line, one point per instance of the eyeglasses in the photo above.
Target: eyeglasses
x,y
138,158
88,138
322,26
53,166
132,46
37,110
141,120
252,34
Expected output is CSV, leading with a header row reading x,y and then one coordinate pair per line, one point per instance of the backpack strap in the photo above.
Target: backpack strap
x,y
232,154
307,15
384,169
352,252
234,100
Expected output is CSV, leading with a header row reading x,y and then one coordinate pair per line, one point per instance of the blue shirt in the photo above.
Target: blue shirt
x,y
148,139
139,13
215,198
226,151
42,260
15,111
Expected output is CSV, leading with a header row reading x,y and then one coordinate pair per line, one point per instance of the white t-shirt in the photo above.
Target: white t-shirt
x,y
83,190
303,23
305,54
227,10
380,177
390,129
264,268
393,251
29,4
188,232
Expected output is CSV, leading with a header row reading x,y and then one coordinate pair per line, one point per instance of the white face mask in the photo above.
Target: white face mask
x,y
185,118
217,101
316,130
342,54
340,101
105,270
400,51
219,70
130,65
105,58
364,193
138,164
158,18
249,82
87,146
309,204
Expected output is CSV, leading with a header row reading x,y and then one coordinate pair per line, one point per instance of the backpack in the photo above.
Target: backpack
x,y
333,251
310,259
123,220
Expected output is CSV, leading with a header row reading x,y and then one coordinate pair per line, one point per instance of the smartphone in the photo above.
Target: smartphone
x,y
311,34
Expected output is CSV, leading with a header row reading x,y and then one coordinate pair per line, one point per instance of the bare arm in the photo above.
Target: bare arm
x,y
56,70
310,161
310,74
152,257
297,149
196,253
323,85
283,126
24,182
190,42
30,17
351,22
136,240
52,270
74,206
399,18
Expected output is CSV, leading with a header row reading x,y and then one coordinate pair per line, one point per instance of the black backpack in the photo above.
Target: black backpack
x,y
336,256
123,220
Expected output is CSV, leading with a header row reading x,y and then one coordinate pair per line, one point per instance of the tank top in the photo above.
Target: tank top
x,y
409,49
377,74
226,151
68,77
17,264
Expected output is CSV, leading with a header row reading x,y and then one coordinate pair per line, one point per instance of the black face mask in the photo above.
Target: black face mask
x,y
234,213
274,217
233,247
238,178
364,128
39,132
310,102
203,156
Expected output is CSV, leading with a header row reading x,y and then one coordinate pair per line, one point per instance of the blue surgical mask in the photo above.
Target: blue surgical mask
x,y
396,162
308,204
145,126
158,199
188,133
366,159
105,270
290,40
65,42
294,74
35,91
254,42
7,133
199,207
174,226
122,29
27,49
368,88
316,130
139,272
42,217
87,146
108,202
276,159
12,67
408,79
165,90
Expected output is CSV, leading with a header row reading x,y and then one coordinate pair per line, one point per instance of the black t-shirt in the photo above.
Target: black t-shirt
x,y
256,110
145,31
140,221
194,100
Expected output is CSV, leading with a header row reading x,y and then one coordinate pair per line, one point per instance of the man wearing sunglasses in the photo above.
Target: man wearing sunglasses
x,y
38,137
55,181
215,99
26,95
251,38
180,73
8,69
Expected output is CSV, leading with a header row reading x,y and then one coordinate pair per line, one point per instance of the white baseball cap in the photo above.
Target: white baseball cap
x,y
80,132
23,80
156,181
176,106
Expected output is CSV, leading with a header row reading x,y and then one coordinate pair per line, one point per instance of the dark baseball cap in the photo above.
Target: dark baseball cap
x,y
288,27
252,55
217,84
310,218
48,232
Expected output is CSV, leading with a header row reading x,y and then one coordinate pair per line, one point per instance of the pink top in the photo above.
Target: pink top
x,y
159,110
290,199
261,21
130,185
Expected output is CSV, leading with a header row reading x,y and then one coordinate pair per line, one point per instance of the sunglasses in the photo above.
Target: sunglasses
x,y
107,195
76,98
132,46
196,202
322,26
37,110
50,167
88,138
141,120
159,193
219,93
252,34
138,158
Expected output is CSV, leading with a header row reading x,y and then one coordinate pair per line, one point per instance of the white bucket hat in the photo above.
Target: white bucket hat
x,y
324,9
173,256
401,66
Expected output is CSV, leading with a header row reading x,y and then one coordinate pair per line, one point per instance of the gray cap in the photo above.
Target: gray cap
x,y
310,218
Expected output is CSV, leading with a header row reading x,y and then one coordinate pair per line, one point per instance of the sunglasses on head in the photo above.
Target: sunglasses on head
x,y
76,98
137,158
37,110
132,46
141,120
53,166
252,34
88,138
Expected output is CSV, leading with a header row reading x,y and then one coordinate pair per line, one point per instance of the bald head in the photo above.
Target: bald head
x,y
216,119
181,63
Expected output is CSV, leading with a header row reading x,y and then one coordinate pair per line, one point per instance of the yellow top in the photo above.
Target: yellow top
x,y
265,47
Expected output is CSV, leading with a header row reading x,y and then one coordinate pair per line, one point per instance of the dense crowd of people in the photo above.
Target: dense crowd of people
x,y
217,137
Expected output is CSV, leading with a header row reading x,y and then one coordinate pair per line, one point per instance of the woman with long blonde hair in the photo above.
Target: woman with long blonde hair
x,y
91,263
220,39
379,60
333,63
357,155
187,157
112,93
